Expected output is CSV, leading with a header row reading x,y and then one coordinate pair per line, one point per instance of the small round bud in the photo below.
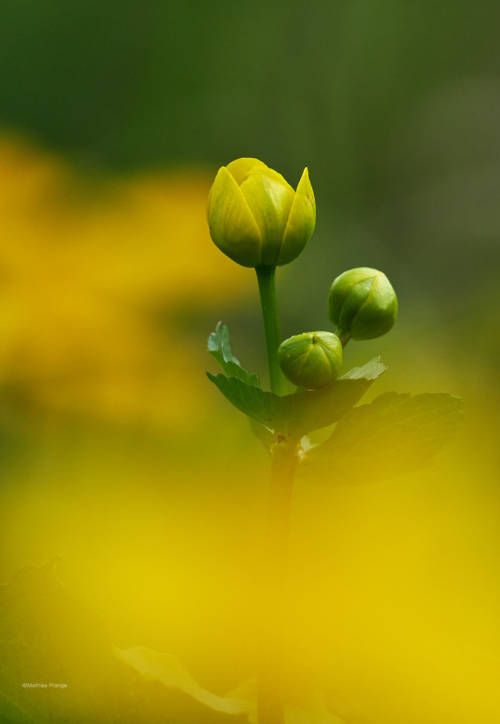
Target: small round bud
x,y
311,359
362,304
256,218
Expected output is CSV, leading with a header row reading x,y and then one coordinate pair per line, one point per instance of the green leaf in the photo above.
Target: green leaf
x,y
167,669
49,634
262,433
394,435
309,411
300,412
254,402
220,348
241,701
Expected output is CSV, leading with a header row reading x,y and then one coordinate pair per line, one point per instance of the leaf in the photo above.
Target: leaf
x,y
241,701
262,433
254,402
300,412
394,435
48,634
220,348
166,669
312,410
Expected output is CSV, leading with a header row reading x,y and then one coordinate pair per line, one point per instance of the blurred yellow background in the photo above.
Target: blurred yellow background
x,y
133,496
121,463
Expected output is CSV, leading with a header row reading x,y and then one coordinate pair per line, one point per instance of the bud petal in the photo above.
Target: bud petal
x,y
362,303
301,221
311,359
232,225
270,198
241,167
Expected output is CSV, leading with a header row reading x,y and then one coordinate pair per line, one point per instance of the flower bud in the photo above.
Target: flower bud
x,y
256,218
311,359
362,303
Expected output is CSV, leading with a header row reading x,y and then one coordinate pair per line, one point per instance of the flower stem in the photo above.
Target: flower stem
x,y
284,459
270,678
267,289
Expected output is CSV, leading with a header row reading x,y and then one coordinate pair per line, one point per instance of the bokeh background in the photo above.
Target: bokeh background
x,y
132,495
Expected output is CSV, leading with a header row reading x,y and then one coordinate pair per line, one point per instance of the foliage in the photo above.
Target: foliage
x,y
242,701
295,414
220,348
392,436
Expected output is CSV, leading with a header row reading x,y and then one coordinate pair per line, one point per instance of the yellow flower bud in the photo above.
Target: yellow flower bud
x,y
256,218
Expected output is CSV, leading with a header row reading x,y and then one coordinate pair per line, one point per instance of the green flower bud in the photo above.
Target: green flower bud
x,y
311,359
362,304
255,216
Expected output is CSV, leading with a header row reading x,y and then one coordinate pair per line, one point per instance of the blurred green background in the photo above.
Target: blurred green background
x,y
393,105
122,464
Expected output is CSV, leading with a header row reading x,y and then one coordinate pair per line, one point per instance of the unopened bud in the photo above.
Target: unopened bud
x,y
362,304
311,359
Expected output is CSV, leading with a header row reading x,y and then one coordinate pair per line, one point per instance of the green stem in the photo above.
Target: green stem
x,y
267,289
284,459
